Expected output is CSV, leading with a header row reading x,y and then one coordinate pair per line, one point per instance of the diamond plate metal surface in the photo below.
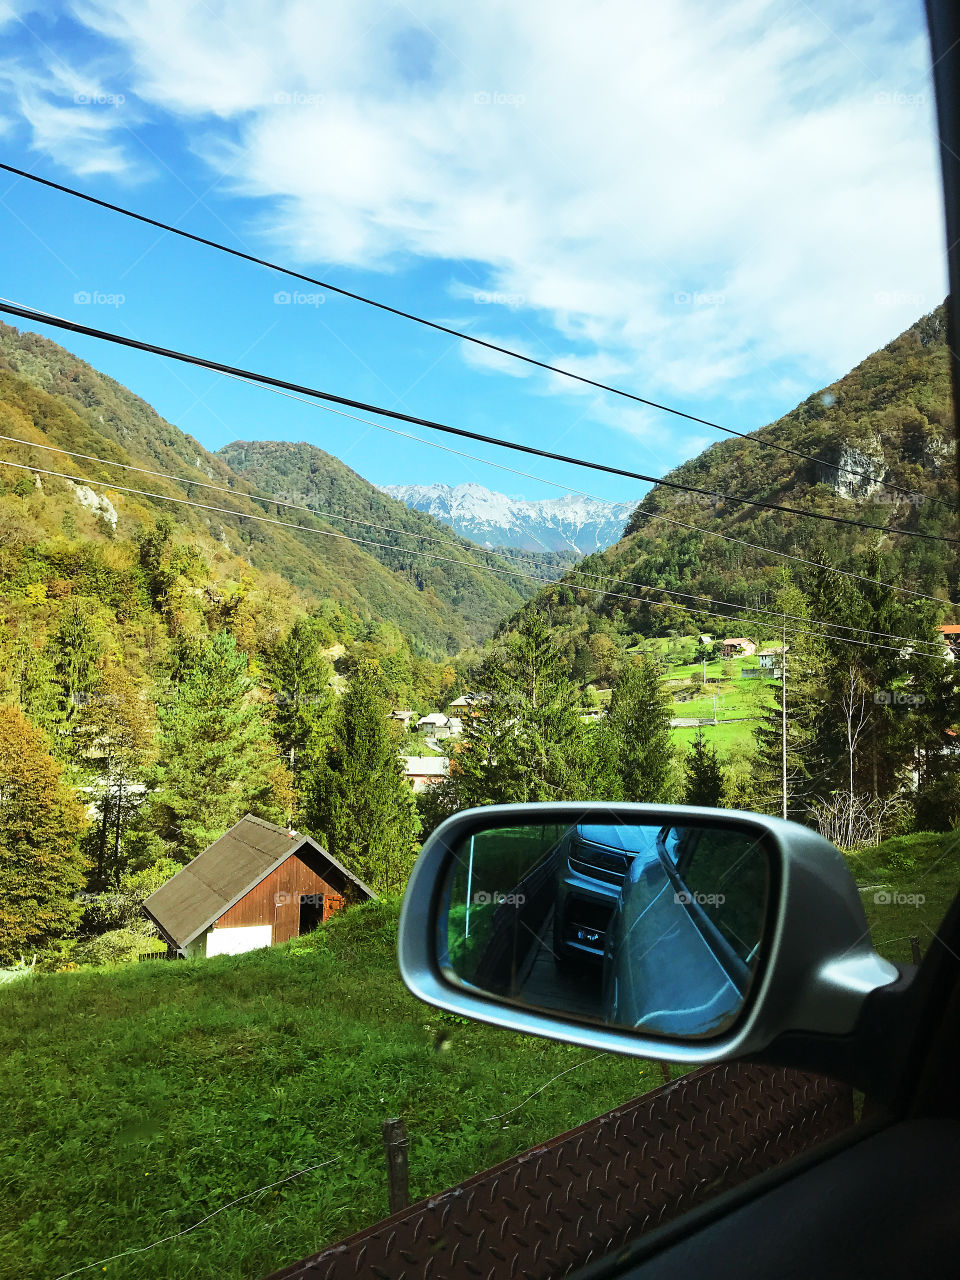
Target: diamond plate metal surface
x,y
584,1193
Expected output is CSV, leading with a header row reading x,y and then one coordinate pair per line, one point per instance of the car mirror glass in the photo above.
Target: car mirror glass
x,y
644,926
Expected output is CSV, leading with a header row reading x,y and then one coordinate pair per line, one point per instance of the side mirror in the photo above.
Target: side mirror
x,y
659,931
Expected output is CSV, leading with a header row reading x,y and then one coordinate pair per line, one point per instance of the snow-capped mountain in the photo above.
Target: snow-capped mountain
x,y
580,525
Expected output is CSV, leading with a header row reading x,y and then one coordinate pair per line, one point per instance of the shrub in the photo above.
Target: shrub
x,y
119,946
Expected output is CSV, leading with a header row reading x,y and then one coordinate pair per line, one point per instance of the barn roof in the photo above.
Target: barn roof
x,y
226,871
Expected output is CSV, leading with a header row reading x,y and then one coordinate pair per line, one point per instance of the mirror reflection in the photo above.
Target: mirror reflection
x,y
651,927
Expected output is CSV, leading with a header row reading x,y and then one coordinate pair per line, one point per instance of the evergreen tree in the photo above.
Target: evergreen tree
x,y
299,677
358,802
217,760
809,762
41,866
34,689
120,723
75,652
705,774
638,749
528,742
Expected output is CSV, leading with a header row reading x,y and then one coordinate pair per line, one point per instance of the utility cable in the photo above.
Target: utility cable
x,y
329,533
41,317
450,543
455,333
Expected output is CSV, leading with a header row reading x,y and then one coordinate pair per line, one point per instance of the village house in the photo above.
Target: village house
x,y
404,717
772,656
739,647
425,771
951,639
434,724
468,700
257,886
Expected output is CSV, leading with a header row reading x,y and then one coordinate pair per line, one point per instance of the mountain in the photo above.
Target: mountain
x,y
569,524
51,397
891,418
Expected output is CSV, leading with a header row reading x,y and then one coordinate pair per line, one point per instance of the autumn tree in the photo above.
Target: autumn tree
x,y
41,866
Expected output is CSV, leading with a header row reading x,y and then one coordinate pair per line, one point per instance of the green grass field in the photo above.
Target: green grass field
x,y
907,883
138,1100
724,738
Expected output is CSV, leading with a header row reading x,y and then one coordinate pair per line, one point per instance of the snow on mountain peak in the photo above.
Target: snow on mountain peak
x,y
570,523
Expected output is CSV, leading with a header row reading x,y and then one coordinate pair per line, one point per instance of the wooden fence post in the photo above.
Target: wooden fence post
x,y
395,1143
915,949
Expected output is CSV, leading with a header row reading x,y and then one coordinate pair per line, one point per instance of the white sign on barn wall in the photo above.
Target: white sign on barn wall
x,y
231,942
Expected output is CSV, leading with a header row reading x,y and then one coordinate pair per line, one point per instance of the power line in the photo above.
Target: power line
x,y
431,555
649,515
31,313
450,542
455,333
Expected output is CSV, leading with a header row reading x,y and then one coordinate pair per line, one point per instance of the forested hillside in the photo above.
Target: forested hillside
x,y
302,473
872,712
51,397
890,417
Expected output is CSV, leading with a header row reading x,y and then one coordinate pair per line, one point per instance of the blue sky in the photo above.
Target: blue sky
x,y
720,207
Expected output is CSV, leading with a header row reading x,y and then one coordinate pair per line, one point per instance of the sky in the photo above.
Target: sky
x,y
720,207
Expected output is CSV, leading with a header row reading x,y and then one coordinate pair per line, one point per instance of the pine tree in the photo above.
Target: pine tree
x,y
638,745
299,677
528,742
217,760
121,724
75,652
705,774
808,760
33,687
41,866
358,802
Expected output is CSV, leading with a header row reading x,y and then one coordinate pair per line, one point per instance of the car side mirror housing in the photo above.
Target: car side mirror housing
x,y
662,931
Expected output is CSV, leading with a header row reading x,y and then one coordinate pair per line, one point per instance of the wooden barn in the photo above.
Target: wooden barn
x,y
258,885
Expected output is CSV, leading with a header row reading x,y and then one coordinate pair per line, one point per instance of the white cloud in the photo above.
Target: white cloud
x,y
74,116
698,191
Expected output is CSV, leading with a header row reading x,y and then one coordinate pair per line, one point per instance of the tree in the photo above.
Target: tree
x,y
527,742
637,742
33,685
41,867
217,760
299,677
794,722
705,774
152,545
358,801
119,722
75,652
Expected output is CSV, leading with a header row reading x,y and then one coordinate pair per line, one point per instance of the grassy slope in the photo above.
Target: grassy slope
x,y
139,1100
923,866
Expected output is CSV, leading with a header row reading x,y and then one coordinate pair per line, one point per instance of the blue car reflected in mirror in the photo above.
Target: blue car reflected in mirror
x,y
656,928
